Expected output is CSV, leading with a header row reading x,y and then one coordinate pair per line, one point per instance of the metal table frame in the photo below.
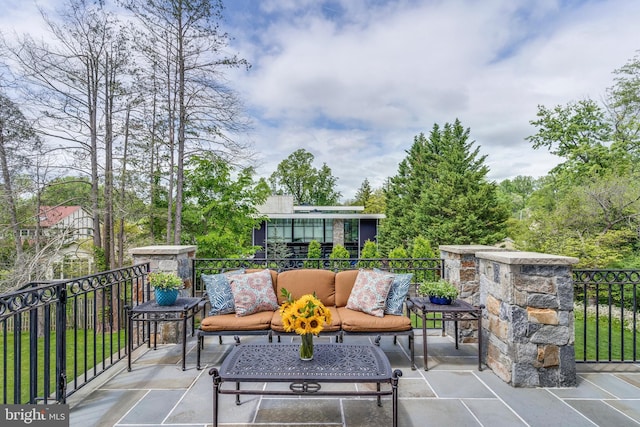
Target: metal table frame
x,y
332,363
457,311
183,309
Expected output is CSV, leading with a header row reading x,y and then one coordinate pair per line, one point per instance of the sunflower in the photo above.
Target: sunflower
x,y
301,325
314,325
306,315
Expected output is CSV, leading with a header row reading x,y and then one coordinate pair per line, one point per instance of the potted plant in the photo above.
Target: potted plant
x,y
166,287
439,291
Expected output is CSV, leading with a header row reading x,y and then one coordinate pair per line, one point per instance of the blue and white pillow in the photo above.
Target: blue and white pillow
x,y
219,292
397,293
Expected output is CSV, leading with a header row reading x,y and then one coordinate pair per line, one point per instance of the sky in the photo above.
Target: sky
x,y
354,81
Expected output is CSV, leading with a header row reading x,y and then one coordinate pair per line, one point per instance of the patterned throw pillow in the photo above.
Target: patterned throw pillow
x,y
219,292
369,293
253,293
397,293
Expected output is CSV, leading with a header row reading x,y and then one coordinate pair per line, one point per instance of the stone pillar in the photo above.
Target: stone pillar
x,y
171,259
338,232
461,270
528,332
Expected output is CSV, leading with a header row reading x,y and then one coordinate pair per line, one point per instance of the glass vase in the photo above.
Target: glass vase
x,y
306,347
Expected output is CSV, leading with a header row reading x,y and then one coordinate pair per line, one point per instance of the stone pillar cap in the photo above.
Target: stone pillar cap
x,y
527,258
163,250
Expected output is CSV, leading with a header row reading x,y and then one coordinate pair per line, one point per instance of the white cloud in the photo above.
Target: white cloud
x,y
353,81
355,86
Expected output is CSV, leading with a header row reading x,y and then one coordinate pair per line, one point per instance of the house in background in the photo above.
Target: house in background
x,y
68,230
329,225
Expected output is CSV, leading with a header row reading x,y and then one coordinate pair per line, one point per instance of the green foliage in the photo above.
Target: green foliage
x,y
99,259
624,102
369,251
376,202
441,193
278,248
438,288
314,252
517,192
422,249
363,194
297,177
397,252
67,191
578,133
341,256
165,281
220,211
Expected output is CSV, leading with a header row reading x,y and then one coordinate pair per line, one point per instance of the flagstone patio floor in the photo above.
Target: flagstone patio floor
x,y
452,393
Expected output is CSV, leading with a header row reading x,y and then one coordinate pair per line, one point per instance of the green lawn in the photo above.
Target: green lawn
x,y
616,330
81,343
605,344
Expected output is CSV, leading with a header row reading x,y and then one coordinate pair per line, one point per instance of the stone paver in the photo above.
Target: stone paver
x,y
453,392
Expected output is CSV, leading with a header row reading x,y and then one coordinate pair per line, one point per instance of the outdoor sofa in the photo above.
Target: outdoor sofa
x,y
362,302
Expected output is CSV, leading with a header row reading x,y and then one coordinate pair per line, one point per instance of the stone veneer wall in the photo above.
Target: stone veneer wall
x,y
338,232
461,269
169,258
528,336
529,332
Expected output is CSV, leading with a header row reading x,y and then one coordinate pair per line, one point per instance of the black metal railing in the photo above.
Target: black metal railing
x,y
606,315
56,337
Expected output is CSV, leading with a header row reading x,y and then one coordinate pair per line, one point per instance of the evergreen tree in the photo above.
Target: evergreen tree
x,y
340,257
441,193
314,252
369,251
363,194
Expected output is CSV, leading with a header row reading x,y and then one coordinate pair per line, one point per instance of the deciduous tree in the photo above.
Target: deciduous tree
x,y
297,177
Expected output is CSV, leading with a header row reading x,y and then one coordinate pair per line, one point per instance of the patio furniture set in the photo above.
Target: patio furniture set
x,y
362,302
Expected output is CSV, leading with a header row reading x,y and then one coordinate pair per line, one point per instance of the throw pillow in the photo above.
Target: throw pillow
x,y
219,292
369,293
397,293
253,293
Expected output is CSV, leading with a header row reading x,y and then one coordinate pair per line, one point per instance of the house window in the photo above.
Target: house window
x,y
279,229
306,230
351,231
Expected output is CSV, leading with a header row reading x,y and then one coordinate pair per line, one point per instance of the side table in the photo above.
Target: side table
x,y
457,311
182,310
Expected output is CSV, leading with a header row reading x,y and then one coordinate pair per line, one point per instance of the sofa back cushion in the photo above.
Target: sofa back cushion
x,y
307,281
344,285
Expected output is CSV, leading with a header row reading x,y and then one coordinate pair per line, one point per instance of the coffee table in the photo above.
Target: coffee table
x,y
182,310
458,311
332,363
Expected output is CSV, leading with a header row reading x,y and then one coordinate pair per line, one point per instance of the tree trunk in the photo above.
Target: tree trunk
x,y
6,177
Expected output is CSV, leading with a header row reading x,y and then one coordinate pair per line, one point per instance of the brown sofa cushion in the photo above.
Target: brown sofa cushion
x,y
307,281
344,284
276,321
230,322
357,321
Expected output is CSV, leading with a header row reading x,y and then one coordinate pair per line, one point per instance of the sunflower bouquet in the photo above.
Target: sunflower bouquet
x,y
305,316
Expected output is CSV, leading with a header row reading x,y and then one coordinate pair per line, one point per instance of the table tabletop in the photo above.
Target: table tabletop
x,y
182,304
281,362
458,305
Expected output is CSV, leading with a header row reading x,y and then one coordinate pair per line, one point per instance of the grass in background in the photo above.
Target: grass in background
x,y
108,348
